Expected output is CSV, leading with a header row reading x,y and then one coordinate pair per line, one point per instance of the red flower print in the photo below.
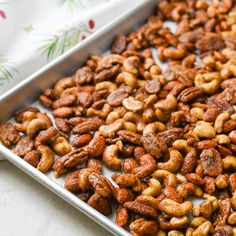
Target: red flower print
x,y
83,37
3,14
91,24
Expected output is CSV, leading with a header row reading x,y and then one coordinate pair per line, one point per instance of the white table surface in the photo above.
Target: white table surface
x,y
27,208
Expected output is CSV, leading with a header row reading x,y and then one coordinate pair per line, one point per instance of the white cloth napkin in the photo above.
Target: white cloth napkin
x,y
32,33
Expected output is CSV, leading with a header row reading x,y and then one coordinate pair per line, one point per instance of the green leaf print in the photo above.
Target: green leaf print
x,y
64,39
6,70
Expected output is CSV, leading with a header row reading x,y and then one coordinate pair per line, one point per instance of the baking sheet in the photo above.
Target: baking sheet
x,y
65,65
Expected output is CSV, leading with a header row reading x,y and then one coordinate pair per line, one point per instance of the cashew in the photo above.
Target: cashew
x,y
232,218
174,163
101,113
130,126
175,209
179,222
175,233
169,179
213,200
229,163
196,221
111,87
189,231
209,82
167,104
182,145
222,139
47,158
154,127
63,84
131,64
189,189
110,157
127,78
204,130
222,181
61,146
112,117
234,201
35,126
109,130
197,112
154,188
221,118
135,118
203,230
132,104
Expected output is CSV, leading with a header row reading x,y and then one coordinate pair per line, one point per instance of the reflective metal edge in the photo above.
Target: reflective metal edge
x,y
26,92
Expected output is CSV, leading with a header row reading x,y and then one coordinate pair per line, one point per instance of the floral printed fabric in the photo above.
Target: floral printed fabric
x,y
32,32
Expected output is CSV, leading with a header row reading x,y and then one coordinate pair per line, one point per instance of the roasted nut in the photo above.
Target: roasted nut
x,y
61,146
122,216
85,127
101,204
211,162
81,140
96,146
141,209
63,84
175,209
110,157
8,134
47,158
144,227
100,185
24,146
174,162
33,157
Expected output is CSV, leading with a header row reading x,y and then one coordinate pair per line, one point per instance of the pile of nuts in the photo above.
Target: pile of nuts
x,y
169,136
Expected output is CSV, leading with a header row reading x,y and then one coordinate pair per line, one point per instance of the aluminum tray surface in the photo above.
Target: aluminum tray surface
x,y
27,91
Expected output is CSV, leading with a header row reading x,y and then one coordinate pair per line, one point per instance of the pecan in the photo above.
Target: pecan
x,y
224,231
62,125
81,140
153,145
232,182
118,44
170,135
223,212
83,76
189,94
74,158
211,162
210,42
144,227
63,112
46,136
24,146
189,164
101,204
153,86
122,216
116,97
96,146
107,74
229,125
209,185
206,144
33,157
8,134
100,185
72,181
130,136
141,209
64,101
87,126
85,98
